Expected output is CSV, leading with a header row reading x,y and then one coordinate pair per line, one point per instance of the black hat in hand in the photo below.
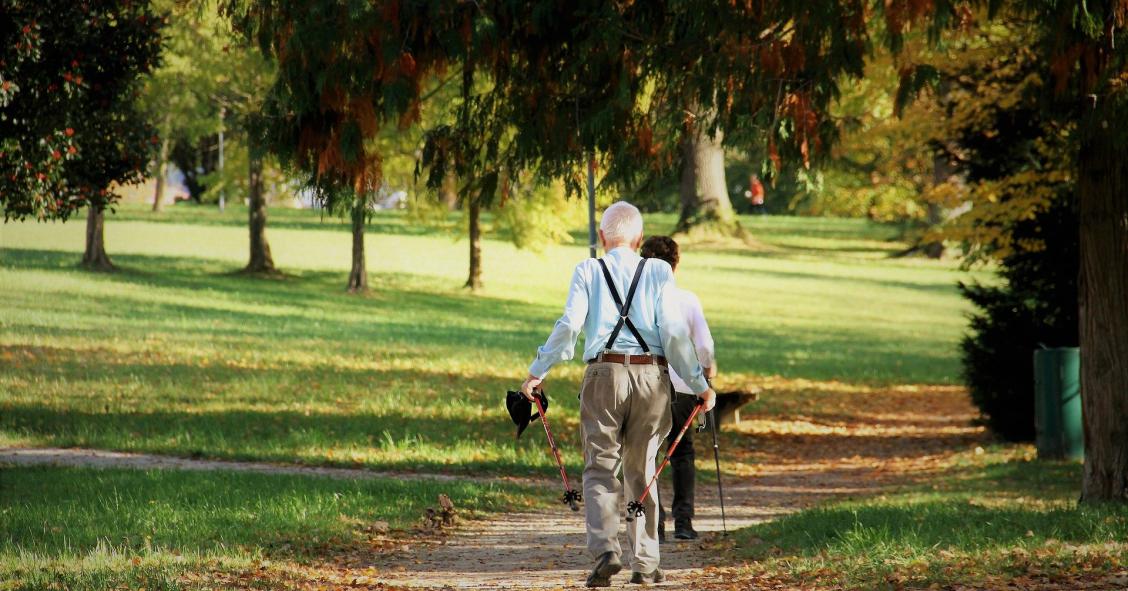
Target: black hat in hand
x,y
521,410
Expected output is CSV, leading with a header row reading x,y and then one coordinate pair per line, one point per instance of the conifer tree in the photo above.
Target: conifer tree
x,y
571,79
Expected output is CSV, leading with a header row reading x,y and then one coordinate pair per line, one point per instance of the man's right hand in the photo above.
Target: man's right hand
x,y
531,383
710,399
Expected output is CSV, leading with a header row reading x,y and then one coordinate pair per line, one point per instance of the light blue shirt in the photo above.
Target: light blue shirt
x,y
654,311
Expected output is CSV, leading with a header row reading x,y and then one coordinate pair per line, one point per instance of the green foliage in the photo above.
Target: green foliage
x,y
536,216
209,81
69,128
233,182
177,96
1001,133
883,163
1035,307
1014,159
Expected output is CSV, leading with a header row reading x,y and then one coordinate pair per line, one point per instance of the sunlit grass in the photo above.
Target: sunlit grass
x,y
97,528
175,354
988,518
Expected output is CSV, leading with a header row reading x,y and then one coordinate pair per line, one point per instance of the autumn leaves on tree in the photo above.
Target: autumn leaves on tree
x,y
614,79
644,88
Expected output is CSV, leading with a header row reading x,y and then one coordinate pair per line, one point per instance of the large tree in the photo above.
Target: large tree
x,y
568,82
703,188
346,72
69,127
1083,48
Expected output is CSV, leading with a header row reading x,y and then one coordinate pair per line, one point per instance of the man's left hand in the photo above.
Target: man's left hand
x,y
531,383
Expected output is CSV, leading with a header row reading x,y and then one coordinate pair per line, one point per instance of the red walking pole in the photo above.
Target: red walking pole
x,y
635,508
571,496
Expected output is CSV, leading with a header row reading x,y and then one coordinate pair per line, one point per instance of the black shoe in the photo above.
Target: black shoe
x,y
607,566
655,577
661,533
683,530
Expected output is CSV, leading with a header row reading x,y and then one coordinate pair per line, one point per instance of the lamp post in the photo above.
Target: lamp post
x,y
591,206
222,192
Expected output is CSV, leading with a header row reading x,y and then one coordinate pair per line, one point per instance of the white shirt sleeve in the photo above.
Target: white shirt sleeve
x,y
676,340
561,344
699,332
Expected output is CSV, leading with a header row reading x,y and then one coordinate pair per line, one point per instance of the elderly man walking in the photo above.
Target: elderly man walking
x,y
634,332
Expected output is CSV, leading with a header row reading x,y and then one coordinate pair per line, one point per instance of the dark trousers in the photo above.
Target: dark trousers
x,y
682,462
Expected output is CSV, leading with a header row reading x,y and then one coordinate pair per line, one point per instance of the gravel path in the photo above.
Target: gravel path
x,y
97,458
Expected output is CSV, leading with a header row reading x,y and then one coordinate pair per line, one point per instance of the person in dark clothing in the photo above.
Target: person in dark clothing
x,y
683,401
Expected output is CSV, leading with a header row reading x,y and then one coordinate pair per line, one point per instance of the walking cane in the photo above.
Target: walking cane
x,y
635,508
571,496
717,459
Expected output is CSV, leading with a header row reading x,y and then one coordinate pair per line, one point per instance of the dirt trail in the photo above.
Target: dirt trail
x,y
780,463
58,456
848,445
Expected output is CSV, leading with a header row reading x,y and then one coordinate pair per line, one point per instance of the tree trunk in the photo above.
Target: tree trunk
x,y
448,192
474,282
705,203
934,249
358,277
261,261
162,167
1102,187
941,173
95,257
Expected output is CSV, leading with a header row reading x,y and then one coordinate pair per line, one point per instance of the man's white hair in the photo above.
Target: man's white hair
x,y
621,222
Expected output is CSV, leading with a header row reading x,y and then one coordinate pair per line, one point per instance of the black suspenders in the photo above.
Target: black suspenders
x,y
624,309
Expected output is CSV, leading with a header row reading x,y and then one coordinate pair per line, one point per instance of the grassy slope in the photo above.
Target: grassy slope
x,y
175,355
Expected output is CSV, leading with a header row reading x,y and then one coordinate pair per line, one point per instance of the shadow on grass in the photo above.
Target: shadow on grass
x,y
390,440
444,319
388,222
411,313
835,282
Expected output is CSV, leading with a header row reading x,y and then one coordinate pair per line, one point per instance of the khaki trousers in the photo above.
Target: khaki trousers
x,y
624,416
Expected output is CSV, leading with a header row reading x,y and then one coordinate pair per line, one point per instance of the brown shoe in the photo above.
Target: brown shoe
x,y
653,577
606,567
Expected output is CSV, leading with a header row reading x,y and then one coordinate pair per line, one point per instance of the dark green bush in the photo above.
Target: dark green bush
x,y
1036,306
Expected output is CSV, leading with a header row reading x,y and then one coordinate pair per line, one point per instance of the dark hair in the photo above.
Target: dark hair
x,y
661,247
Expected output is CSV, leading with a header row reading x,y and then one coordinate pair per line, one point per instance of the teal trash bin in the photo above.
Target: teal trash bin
x,y
1057,403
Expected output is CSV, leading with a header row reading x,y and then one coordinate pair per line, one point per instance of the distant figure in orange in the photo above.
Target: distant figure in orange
x,y
755,194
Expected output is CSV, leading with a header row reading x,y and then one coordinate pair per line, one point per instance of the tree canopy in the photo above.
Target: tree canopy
x,y
69,125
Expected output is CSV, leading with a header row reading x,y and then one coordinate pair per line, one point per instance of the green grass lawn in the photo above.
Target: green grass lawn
x,y
100,528
990,519
176,354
